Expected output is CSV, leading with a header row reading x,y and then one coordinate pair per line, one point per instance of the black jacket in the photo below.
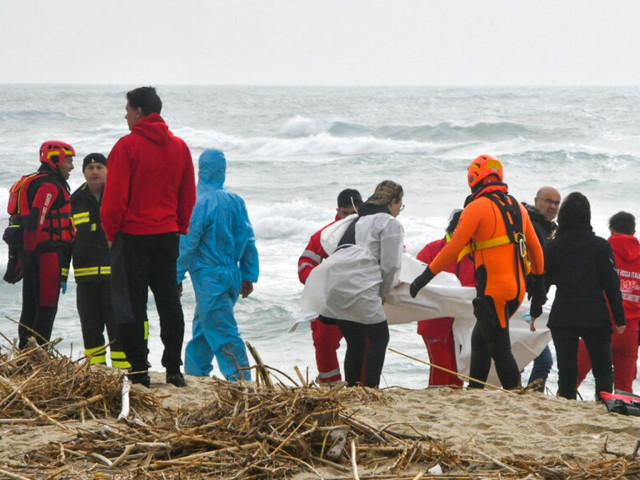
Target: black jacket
x,y
544,228
90,249
582,267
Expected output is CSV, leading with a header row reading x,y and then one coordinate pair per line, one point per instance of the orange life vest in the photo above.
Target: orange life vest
x,y
58,225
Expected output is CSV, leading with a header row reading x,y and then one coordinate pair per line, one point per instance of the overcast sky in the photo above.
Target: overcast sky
x,y
321,42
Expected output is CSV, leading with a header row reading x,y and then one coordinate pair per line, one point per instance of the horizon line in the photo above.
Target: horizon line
x,y
310,85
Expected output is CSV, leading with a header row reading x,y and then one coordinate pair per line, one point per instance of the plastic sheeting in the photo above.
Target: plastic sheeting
x,y
445,297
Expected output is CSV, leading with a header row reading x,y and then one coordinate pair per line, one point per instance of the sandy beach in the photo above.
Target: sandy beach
x,y
485,424
501,424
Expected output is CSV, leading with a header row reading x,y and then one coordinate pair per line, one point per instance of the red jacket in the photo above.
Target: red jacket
x,y
313,255
465,270
626,250
150,186
46,213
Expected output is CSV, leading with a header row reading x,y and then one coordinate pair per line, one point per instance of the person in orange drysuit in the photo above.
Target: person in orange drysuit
x,y
495,228
437,332
624,346
326,337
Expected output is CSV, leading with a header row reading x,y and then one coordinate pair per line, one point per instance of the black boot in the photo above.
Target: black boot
x,y
176,379
140,377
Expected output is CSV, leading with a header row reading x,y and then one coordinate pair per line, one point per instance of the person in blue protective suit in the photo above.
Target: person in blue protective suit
x,y
220,255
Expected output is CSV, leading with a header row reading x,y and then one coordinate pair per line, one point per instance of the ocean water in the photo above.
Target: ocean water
x,y
290,150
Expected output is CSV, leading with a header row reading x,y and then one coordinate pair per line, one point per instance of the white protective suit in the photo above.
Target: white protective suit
x,y
351,283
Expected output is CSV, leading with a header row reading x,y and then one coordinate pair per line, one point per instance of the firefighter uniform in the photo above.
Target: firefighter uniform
x,y
92,272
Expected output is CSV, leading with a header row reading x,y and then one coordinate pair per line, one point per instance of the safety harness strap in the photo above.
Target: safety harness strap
x,y
512,217
483,245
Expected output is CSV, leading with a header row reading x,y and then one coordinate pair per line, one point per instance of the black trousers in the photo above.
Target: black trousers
x,y
356,335
490,341
598,343
140,262
40,292
95,308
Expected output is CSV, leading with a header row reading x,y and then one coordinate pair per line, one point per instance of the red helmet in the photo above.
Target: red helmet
x,y
482,167
54,152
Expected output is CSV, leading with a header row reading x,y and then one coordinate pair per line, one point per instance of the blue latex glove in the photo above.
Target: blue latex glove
x,y
63,287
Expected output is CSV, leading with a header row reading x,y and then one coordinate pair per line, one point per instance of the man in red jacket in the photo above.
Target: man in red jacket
x,y
326,337
148,198
437,333
624,346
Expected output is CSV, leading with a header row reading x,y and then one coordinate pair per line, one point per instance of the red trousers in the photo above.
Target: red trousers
x,y
624,349
40,291
438,337
326,340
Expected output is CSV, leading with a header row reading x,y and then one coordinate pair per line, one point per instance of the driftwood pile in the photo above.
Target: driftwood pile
x,y
40,385
243,430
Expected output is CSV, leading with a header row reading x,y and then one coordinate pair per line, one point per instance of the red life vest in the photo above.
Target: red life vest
x,y
58,225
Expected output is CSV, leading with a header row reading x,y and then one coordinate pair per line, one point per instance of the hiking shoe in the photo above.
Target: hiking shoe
x,y
141,378
176,379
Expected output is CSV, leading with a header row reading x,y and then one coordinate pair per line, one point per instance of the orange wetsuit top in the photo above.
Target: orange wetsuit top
x,y
482,220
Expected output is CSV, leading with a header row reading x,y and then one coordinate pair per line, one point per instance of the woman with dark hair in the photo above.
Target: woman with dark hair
x,y
582,267
356,277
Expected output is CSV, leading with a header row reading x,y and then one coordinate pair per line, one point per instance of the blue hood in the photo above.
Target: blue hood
x,y
220,237
213,168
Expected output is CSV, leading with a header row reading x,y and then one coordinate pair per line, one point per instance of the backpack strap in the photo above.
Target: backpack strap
x,y
349,236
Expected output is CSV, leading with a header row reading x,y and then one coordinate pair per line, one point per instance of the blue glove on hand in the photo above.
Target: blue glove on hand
x,y
63,287
420,281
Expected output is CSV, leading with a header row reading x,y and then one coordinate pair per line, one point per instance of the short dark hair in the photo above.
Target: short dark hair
x,y
349,197
623,222
145,98
453,221
575,211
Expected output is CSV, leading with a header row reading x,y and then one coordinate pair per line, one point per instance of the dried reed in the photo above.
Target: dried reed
x,y
243,431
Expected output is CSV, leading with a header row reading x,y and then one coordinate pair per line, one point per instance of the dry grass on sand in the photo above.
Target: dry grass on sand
x,y
58,420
